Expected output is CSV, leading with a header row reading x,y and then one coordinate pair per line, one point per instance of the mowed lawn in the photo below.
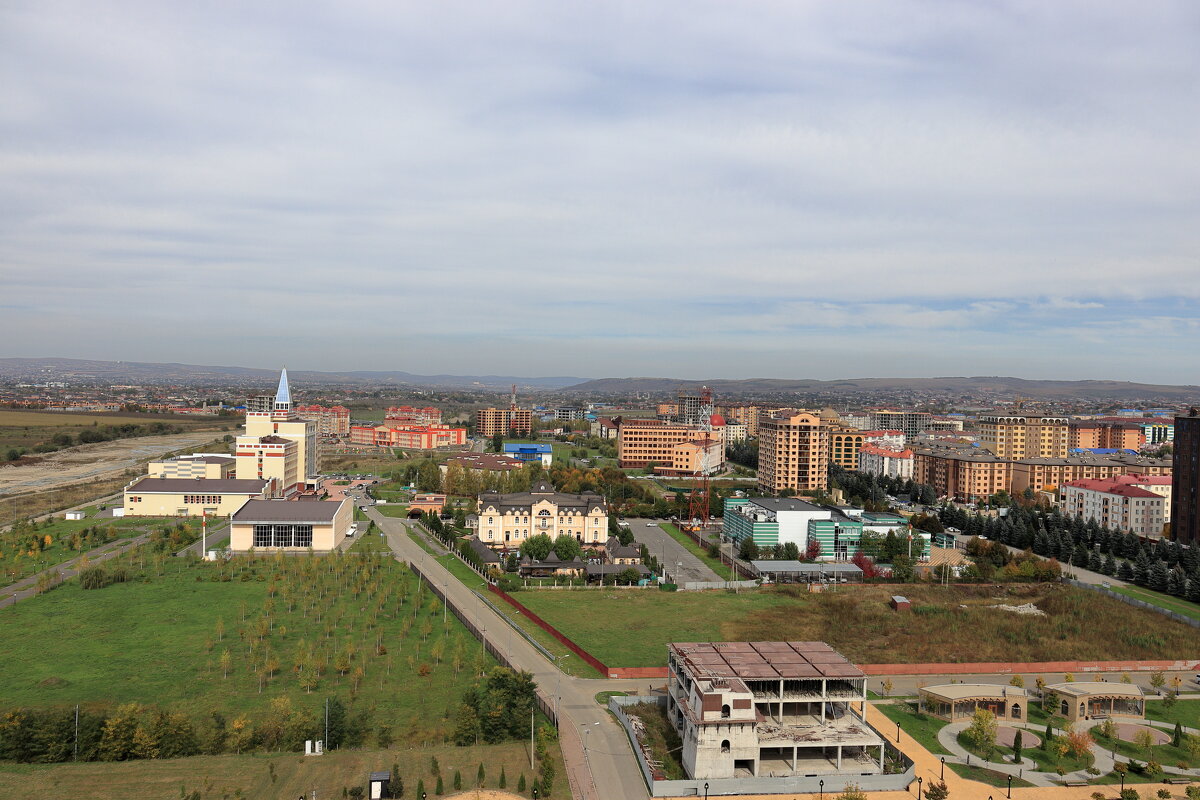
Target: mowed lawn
x,y
294,775
160,640
631,628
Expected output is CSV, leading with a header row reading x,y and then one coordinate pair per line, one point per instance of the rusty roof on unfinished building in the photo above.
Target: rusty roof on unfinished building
x,y
763,660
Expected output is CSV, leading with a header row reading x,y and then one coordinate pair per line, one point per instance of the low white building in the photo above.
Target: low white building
x,y
875,460
1116,505
290,525
769,709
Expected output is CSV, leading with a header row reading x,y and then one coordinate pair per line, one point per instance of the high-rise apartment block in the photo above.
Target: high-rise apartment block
x,y
910,423
793,452
503,421
1086,434
1024,435
1185,487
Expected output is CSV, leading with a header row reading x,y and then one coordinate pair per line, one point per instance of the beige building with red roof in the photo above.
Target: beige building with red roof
x,y
1115,504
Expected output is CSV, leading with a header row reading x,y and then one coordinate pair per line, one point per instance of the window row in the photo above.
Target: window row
x,y
283,536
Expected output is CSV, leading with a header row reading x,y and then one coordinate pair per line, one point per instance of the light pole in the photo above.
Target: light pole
x,y
919,782
942,777
897,731
706,790
821,783
1010,785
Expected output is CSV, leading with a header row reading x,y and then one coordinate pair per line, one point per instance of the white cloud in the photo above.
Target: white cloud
x,y
454,170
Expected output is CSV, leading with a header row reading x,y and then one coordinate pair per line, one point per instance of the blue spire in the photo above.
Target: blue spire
x,y
283,395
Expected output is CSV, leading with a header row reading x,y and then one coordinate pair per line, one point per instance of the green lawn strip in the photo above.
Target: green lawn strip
x,y
568,662
649,619
714,564
921,727
1047,760
1169,602
469,577
988,776
1036,715
155,640
397,511
420,540
1185,712
1130,777
1165,754
602,697
369,543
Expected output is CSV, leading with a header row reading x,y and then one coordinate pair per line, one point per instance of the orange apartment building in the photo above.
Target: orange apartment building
x,y
412,437
1047,474
492,421
674,448
414,416
1024,435
1090,433
748,414
963,473
793,452
333,421
845,443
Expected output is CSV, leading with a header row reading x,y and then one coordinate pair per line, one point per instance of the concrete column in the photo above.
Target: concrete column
x,y
839,758
793,758
781,701
882,748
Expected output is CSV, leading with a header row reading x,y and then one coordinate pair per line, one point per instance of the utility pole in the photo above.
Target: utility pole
x,y
531,710
76,731
326,724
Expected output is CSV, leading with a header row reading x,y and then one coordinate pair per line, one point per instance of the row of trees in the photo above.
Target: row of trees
x,y
135,731
1161,564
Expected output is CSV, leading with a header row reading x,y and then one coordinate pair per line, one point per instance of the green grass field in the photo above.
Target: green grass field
x,y
989,776
296,627
21,553
1166,754
921,727
947,624
398,512
715,564
250,776
1185,712
1169,602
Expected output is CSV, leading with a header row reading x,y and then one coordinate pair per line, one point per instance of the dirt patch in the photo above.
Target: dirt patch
x,y
94,460
1127,731
1005,736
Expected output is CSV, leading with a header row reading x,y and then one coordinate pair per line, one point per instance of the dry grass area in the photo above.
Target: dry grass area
x,y
34,504
961,624
218,777
946,624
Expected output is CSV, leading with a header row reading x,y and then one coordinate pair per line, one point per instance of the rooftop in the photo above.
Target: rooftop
x,y
1078,688
968,691
763,660
198,485
318,513
804,568
785,504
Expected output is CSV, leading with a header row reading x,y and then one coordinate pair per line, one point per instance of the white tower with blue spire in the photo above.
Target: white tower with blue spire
x,y
278,446
283,395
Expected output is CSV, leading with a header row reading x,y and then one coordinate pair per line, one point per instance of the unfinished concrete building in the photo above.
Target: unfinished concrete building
x,y
769,709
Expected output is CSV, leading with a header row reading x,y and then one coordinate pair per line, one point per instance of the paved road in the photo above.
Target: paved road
x,y
608,768
671,553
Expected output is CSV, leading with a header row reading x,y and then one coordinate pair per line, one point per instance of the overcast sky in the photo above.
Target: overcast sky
x,y
690,189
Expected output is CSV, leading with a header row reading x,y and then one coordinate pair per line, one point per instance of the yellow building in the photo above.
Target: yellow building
x,y
845,443
506,520
196,465
1024,435
290,525
492,421
793,452
264,450
190,497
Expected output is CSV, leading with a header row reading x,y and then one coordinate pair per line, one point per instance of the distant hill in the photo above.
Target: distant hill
x,y
973,386
44,369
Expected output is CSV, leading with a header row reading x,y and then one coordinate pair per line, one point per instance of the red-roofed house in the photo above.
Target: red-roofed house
x,y
1115,504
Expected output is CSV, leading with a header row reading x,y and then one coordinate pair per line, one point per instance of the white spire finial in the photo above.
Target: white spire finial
x,y
283,395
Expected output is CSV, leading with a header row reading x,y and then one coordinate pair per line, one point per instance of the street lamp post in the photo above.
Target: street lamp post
x,y
897,731
706,790
821,783
1010,785
942,777
919,782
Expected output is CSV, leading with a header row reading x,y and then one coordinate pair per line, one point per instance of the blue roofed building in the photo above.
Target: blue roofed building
x,y
540,452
